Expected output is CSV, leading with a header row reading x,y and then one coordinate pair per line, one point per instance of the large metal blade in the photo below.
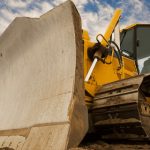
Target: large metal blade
x,y
41,82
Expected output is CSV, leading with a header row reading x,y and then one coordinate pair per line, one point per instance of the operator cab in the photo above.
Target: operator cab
x,y
135,44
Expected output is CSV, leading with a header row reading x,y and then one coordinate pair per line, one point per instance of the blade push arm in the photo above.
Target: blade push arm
x,y
113,23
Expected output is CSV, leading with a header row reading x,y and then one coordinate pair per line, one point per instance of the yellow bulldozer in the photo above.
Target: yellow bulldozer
x,y
117,84
57,85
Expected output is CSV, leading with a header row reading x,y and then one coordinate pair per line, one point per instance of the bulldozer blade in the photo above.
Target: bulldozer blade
x,y
121,110
41,82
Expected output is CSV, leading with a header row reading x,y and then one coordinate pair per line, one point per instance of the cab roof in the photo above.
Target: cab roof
x,y
135,25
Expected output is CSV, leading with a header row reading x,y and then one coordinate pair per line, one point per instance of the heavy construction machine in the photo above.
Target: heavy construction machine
x,y
51,73
117,83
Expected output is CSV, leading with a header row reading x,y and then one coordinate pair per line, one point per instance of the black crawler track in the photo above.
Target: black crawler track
x,y
121,109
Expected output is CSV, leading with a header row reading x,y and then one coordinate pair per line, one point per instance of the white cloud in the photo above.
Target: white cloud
x,y
17,3
18,8
46,6
94,22
138,12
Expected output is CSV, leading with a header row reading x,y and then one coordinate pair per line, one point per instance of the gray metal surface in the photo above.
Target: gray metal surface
x,y
41,82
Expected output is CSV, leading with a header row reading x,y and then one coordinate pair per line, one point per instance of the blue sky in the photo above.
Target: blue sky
x,y
95,14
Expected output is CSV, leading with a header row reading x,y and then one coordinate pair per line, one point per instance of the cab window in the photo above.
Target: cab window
x,y
143,48
127,43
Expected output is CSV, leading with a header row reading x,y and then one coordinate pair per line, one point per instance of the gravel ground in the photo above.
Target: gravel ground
x,y
100,145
